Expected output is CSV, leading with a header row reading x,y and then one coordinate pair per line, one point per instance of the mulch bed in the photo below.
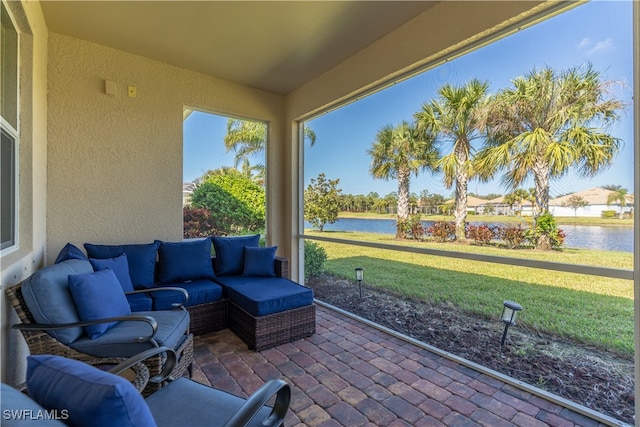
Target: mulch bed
x,y
590,376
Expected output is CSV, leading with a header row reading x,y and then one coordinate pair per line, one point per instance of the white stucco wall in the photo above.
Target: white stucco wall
x,y
32,195
115,162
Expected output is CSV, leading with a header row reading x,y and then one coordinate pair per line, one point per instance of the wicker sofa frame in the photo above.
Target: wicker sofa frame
x,y
40,342
263,332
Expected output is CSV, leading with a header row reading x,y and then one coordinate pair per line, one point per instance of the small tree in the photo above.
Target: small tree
x,y
236,203
322,201
575,202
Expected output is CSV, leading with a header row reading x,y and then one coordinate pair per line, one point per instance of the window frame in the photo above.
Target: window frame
x,y
13,243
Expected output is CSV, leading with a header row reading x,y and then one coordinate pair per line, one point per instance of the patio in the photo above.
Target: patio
x,y
352,374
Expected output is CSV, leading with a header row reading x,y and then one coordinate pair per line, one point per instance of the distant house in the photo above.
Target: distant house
x,y
497,206
187,191
596,199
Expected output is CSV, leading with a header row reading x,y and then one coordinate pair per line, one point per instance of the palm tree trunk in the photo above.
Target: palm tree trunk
x,y
461,193
541,205
403,200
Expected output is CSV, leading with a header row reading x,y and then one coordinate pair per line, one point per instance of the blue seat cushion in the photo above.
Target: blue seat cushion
x,y
119,340
200,292
13,400
141,259
46,293
183,261
264,296
230,252
140,302
170,411
90,397
233,281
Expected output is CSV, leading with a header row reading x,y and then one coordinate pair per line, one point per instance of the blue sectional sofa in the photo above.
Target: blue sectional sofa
x,y
244,286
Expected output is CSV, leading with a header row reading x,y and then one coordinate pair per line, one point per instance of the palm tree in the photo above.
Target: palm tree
x,y
248,139
397,153
453,118
618,196
547,124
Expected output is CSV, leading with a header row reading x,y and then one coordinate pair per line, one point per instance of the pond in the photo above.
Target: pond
x,y
578,236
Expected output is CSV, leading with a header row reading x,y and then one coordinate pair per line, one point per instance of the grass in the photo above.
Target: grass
x,y
588,309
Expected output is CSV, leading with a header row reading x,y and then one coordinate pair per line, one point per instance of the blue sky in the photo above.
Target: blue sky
x,y
599,32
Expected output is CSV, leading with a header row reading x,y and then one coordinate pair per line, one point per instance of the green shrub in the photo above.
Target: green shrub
x,y
546,233
314,259
608,214
236,203
410,228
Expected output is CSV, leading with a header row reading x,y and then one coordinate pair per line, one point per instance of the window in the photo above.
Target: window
x,y
223,175
10,140
370,150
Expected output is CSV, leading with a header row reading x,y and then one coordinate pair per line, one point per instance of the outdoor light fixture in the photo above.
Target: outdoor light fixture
x,y
509,313
359,277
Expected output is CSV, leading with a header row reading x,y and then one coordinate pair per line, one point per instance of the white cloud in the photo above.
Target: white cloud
x,y
602,46
584,42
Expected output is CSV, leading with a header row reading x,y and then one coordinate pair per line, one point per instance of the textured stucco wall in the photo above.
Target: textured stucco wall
x,y
115,162
32,196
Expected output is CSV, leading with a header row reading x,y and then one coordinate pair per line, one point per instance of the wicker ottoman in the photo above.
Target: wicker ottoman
x,y
263,332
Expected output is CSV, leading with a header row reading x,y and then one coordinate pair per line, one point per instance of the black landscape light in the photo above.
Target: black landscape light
x,y
509,313
359,277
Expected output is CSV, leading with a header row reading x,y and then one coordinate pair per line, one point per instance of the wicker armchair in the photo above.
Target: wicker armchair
x,y
41,342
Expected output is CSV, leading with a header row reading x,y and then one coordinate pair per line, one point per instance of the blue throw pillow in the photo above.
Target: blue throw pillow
x,y
230,253
97,296
86,395
260,261
70,251
183,261
119,265
141,259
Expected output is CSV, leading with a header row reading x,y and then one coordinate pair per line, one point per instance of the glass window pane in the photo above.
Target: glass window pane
x,y
9,86
7,186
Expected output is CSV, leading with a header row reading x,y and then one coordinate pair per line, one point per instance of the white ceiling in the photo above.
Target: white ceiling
x,y
274,46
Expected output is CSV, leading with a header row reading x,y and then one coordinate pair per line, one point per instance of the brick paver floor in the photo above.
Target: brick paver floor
x,y
351,374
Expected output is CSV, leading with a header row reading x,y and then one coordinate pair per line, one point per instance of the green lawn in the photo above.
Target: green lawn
x,y
587,309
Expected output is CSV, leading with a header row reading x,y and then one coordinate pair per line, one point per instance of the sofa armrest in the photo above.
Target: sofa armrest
x,y
134,318
185,294
282,267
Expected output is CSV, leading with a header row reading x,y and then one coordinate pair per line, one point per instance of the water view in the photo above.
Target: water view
x,y
578,236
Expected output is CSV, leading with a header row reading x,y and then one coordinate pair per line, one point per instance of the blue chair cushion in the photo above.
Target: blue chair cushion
x,y
259,261
264,296
70,251
46,293
141,259
120,267
90,397
30,412
140,302
183,261
119,341
98,295
187,411
230,252
200,292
